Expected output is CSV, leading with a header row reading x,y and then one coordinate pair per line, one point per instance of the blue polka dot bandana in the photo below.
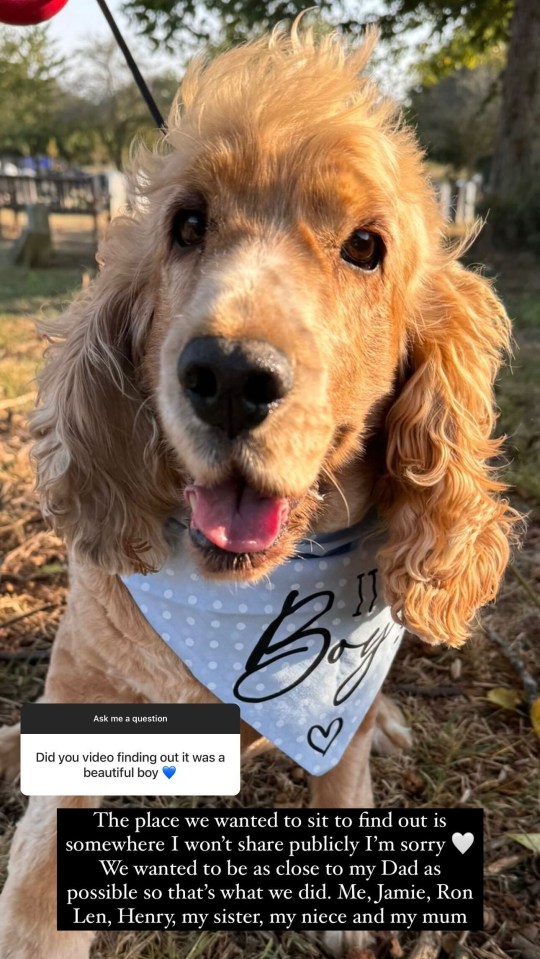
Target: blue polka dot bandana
x,y
303,652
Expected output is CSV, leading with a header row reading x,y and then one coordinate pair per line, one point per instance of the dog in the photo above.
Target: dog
x,y
278,345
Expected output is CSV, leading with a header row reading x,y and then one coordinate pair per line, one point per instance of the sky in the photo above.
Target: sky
x,y
81,18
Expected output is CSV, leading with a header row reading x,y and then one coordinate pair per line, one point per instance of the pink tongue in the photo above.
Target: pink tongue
x,y
234,517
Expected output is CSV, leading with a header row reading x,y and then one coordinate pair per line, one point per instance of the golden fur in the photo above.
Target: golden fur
x,y
292,150
409,354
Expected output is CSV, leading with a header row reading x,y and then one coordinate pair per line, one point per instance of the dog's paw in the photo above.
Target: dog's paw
x,y
339,943
9,752
391,734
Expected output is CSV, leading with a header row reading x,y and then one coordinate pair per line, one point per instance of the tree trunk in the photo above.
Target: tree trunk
x,y
515,182
34,245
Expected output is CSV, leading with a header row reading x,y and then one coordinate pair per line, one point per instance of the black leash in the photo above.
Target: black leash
x,y
137,75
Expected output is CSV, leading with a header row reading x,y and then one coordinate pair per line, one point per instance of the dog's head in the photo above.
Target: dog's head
x,y
277,340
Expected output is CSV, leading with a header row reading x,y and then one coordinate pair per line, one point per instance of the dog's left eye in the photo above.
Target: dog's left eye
x,y
189,227
363,249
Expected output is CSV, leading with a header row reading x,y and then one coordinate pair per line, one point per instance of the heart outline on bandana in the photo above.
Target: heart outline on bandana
x,y
169,771
325,734
463,841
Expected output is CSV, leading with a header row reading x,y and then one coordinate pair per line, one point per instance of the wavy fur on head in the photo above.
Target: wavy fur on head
x,y
407,355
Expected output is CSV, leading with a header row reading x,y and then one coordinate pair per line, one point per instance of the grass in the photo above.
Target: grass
x,y
20,353
28,292
519,398
26,297
518,387
467,751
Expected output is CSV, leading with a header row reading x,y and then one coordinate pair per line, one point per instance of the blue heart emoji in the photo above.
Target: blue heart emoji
x,y
169,771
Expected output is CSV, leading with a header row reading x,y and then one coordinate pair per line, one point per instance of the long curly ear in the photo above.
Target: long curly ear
x,y
449,528
102,474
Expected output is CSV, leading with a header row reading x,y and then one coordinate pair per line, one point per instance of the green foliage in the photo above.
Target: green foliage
x,y
476,27
466,32
223,22
112,112
456,53
30,69
42,113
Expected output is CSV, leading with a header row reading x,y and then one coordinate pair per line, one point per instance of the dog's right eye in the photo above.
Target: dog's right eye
x,y
363,249
189,227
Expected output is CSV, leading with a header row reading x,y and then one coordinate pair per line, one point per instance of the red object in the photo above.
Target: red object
x,y
22,13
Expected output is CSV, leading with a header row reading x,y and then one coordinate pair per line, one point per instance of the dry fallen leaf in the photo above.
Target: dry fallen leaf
x,y
530,840
413,782
449,942
504,697
535,716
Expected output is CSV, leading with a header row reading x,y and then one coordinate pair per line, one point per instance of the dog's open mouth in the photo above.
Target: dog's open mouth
x,y
235,517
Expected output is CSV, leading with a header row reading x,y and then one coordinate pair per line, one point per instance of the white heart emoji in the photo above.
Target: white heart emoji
x,y
463,841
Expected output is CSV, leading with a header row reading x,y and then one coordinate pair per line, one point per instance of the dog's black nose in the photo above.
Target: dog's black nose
x,y
233,384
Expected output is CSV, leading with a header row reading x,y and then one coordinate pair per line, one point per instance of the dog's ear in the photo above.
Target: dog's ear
x,y
449,528
102,474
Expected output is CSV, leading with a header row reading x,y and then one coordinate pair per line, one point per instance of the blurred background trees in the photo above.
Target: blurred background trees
x,y
473,90
110,108
467,33
29,75
457,114
85,109
485,53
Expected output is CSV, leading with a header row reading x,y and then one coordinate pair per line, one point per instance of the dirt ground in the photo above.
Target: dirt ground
x,y
472,746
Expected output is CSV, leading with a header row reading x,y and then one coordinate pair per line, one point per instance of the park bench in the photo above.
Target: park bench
x,y
40,196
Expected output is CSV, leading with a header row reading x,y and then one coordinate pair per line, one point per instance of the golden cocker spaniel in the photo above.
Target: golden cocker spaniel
x,y
279,341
